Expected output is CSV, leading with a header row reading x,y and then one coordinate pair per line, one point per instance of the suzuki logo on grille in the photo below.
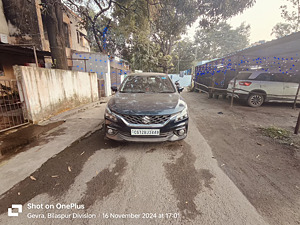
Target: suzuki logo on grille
x,y
146,119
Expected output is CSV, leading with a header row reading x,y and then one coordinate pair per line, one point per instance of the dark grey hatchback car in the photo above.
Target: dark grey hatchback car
x,y
146,108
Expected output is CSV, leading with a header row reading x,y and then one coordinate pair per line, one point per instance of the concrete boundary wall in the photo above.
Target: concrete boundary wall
x,y
48,92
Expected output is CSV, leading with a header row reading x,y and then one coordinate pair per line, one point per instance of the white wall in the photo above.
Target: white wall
x,y
48,92
122,78
184,81
107,80
3,23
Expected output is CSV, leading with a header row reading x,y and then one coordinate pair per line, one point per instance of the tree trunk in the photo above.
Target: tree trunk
x,y
53,18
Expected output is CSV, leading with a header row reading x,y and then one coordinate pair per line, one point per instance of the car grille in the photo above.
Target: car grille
x,y
138,119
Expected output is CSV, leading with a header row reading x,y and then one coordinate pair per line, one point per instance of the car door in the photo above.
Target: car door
x,y
271,85
290,86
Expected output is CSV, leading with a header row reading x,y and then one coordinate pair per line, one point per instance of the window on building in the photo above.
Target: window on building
x,y
78,37
66,33
82,40
45,32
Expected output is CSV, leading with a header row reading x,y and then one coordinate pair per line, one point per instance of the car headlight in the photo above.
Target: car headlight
x,y
182,115
109,115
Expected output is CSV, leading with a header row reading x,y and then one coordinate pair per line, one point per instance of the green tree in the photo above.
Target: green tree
x,y
155,28
221,40
133,28
183,55
291,15
145,32
212,12
281,30
169,20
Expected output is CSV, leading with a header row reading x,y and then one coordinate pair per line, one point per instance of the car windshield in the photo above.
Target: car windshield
x,y
144,84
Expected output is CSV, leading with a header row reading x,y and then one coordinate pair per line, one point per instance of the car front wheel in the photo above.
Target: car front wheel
x,y
255,100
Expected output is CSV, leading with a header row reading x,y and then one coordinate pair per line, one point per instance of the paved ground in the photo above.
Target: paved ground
x,y
164,183
77,124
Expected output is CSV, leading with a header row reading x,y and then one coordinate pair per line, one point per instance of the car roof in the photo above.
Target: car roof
x,y
148,74
259,71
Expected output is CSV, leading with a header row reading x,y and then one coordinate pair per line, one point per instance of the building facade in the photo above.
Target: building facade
x,y
22,27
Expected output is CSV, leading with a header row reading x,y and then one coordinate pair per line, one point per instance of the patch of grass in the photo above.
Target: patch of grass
x,y
281,136
277,133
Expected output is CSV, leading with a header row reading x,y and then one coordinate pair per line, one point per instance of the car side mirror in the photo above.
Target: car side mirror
x,y
180,89
114,88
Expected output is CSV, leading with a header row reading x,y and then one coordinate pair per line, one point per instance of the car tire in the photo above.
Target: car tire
x,y
255,100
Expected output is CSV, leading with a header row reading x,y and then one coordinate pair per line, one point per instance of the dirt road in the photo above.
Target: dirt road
x,y
268,173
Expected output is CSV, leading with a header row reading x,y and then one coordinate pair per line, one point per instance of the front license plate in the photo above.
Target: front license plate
x,y
145,132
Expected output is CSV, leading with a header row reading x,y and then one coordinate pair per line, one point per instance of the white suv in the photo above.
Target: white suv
x,y
257,87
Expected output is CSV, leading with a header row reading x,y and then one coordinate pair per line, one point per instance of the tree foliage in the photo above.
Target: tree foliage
x,y
291,15
130,35
184,55
213,11
221,40
93,14
147,33
169,20
281,30
210,43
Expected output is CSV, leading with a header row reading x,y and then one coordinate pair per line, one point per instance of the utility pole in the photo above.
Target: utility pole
x,y
178,66
297,125
195,63
296,97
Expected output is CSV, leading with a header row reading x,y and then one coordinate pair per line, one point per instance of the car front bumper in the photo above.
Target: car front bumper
x,y
168,132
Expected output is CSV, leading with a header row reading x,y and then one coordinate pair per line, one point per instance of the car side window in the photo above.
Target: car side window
x,y
243,76
291,78
278,77
264,77
275,77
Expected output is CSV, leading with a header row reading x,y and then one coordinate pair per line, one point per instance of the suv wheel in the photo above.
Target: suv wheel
x,y
255,100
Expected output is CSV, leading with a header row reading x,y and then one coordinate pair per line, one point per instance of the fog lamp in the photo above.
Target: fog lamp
x,y
181,132
110,131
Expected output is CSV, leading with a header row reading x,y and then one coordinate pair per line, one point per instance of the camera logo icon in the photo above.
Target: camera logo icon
x,y
15,206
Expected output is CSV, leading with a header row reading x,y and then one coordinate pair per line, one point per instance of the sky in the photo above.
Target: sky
x,y
262,17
